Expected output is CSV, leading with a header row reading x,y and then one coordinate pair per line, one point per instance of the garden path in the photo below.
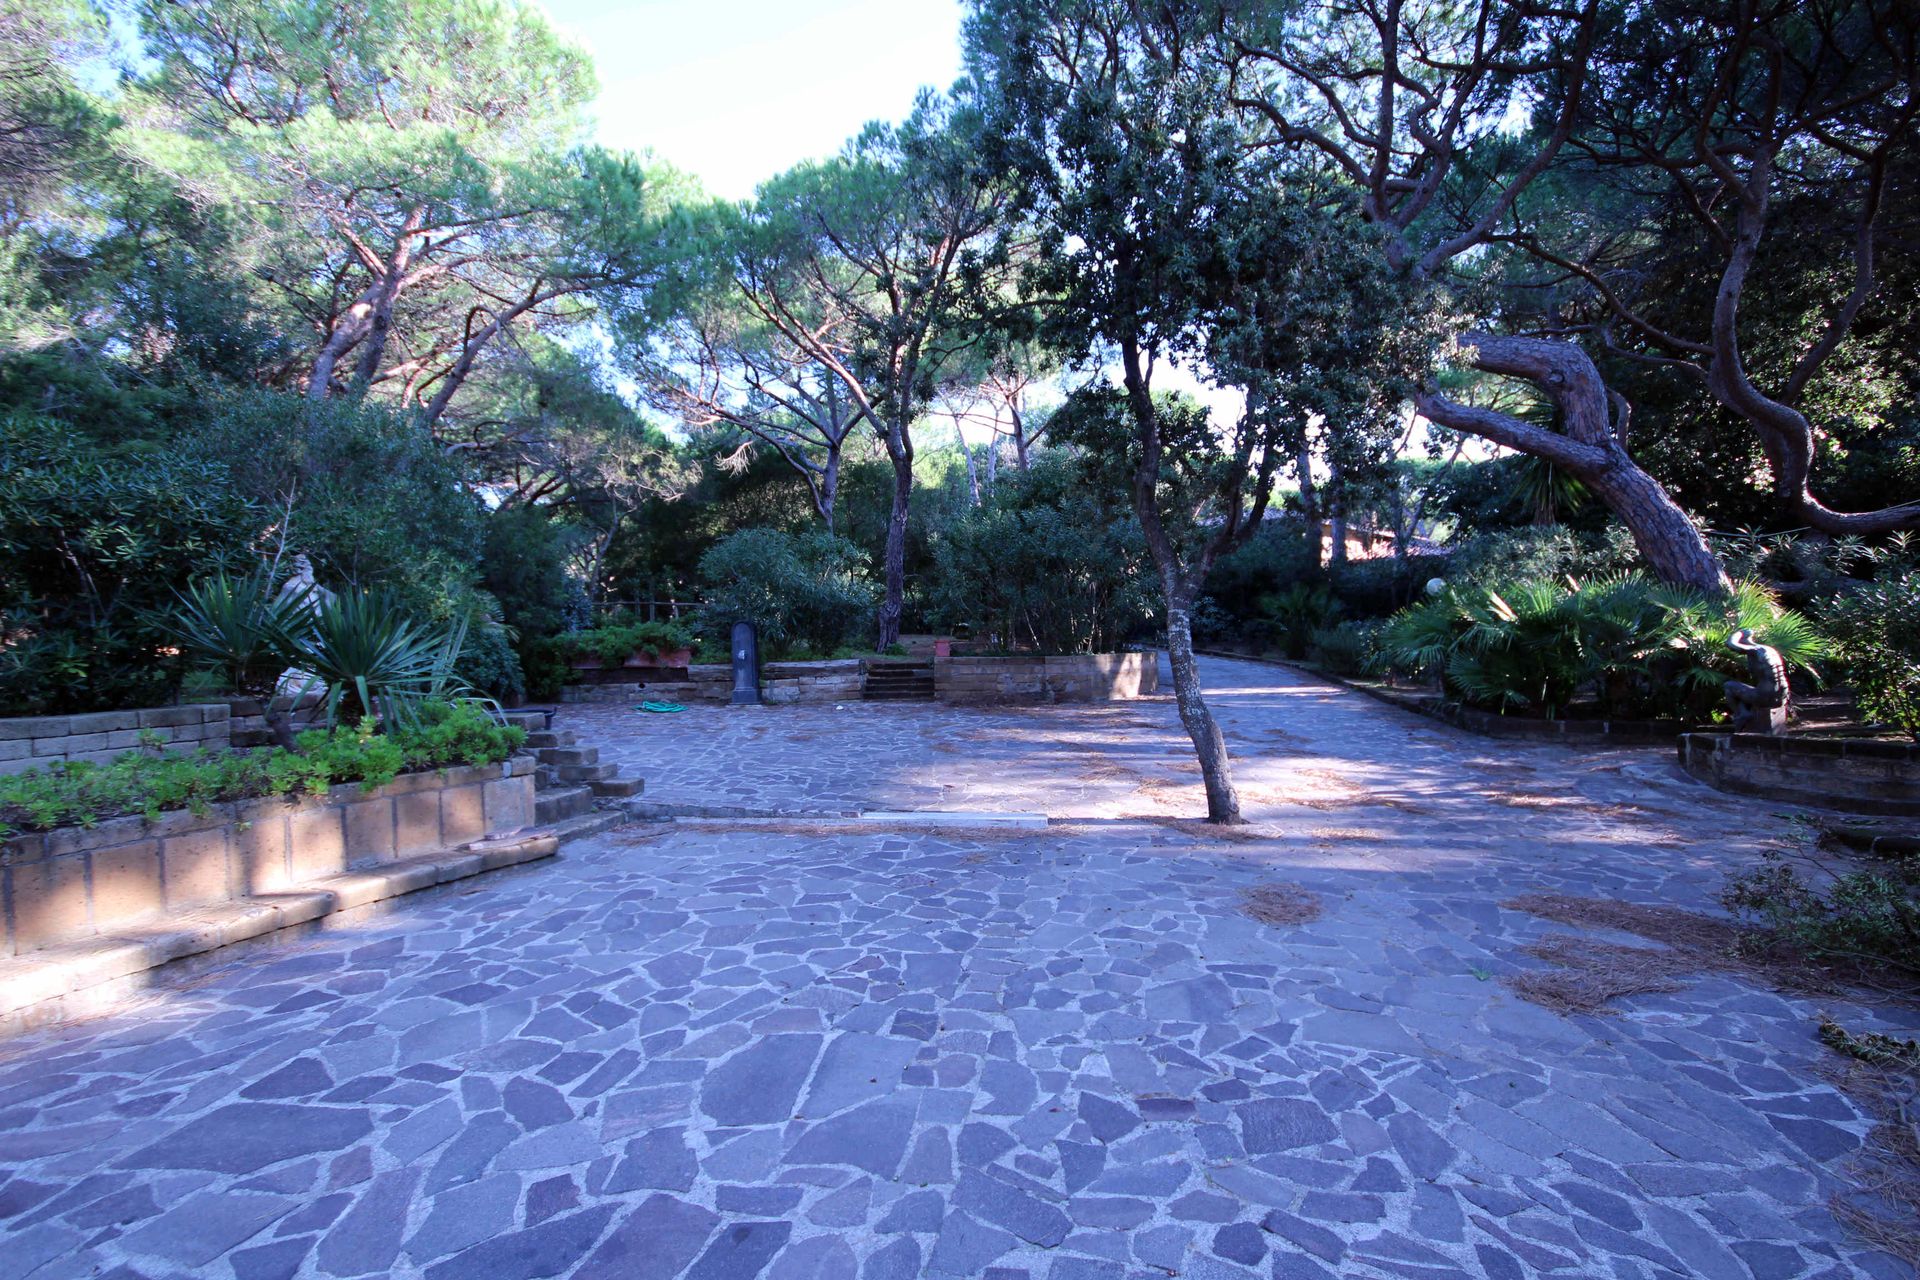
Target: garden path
x,y
804,1052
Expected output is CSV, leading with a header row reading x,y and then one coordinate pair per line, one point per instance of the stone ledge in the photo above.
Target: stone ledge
x,y
1849,774
58,983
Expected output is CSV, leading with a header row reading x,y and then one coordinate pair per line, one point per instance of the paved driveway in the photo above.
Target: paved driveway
x,y
808,1053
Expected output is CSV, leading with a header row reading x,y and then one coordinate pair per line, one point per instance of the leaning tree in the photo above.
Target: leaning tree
x,y
1732,181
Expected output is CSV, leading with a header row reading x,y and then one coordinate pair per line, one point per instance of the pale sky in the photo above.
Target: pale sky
x,y
735,91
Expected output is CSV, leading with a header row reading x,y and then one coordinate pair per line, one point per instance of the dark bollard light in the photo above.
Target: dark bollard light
x,y
746,666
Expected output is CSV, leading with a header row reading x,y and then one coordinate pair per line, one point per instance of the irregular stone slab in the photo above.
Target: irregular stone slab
x,y
741,1251
1283,1124
546,1250
246,1136
855,1067
660,1237
761,1083
872,1137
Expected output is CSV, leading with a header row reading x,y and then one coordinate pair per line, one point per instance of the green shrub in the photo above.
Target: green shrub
x,y
612,642
456,733
93,540
1046,562
806,590
1848,913
1293,614
1346,648
488,664
150,782
545,666
1876,629
1636,647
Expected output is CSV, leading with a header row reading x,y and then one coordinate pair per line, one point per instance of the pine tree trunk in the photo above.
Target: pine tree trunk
x,y
893,602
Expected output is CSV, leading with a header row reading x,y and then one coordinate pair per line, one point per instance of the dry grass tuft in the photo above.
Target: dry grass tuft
x,y
1682,930
1591,974
1280,904
1882,1207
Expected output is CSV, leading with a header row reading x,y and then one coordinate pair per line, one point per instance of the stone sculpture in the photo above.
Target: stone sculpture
x,y
1759,706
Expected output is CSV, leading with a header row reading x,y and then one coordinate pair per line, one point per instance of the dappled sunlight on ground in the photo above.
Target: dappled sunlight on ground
x,y
1126,1044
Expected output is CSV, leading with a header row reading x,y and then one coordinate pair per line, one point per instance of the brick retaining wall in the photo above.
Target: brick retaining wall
x,y
77,882
34,742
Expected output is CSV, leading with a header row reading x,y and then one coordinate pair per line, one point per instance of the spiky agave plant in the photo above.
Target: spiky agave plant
x,y
246,630
373,660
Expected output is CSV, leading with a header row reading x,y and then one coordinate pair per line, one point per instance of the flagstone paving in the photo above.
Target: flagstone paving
x,y
808,1052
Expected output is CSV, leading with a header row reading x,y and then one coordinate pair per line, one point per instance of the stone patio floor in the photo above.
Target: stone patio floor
x,y
805,1052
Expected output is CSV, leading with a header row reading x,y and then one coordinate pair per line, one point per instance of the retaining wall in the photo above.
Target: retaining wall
x,y
34,742
1859,775
1085,677
1082,677
76,883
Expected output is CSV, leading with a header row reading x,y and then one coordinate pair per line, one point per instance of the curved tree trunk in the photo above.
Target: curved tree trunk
x,y
1590,449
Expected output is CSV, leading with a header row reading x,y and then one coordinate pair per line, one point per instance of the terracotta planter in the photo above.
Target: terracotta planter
x,y
675,658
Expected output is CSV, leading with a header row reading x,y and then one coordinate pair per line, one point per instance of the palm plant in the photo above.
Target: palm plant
x,y
245,630
374,661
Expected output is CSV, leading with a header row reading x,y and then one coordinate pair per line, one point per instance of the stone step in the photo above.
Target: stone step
x,y
591,823
548,738
563,756
618,788
59,983
531,721
897,695
570,773
557,805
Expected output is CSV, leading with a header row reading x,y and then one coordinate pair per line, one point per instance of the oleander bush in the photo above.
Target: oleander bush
x,y
149,782
802,592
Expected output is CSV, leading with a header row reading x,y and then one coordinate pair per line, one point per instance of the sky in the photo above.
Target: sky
x,y
734,91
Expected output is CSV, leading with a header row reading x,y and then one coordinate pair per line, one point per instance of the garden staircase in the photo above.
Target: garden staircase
x,y
570,782
900,680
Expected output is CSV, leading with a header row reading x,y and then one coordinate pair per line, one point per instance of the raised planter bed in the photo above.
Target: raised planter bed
x,y
87,905
1857,775
675,659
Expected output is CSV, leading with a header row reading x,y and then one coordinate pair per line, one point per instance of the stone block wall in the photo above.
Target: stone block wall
x,y
1084,677
1854,774
783,683
705,682
33,742
77,882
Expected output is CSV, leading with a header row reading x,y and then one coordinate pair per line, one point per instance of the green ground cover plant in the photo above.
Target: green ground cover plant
x,y
150,782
